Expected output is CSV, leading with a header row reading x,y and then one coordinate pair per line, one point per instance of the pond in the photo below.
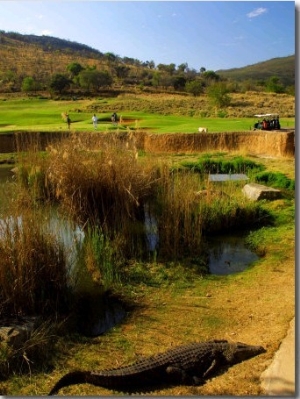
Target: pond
x,y
228,254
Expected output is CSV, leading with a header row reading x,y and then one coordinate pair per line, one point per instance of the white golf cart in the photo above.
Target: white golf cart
x,y
267,122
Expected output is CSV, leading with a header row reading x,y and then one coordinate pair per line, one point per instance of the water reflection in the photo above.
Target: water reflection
x,y
70,235
228,254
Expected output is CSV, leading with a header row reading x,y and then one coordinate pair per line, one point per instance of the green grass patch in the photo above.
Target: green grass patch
x,y
45,115
209,163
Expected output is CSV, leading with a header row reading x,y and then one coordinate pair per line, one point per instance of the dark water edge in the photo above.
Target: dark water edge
x,y
6,173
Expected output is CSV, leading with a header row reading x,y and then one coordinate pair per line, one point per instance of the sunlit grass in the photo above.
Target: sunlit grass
x,y
45,115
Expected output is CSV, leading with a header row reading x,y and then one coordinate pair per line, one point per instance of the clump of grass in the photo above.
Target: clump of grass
x,y
113,189
276,180
209,164
228,214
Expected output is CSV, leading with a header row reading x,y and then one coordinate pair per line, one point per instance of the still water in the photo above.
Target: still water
x,y
6,173
229,254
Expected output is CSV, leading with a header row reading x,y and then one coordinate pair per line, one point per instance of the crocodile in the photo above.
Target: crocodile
x,y
189,364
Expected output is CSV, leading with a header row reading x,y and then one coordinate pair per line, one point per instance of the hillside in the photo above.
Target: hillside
x,y
283,67
41,57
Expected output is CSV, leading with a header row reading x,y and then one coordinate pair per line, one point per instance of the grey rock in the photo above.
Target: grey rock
x,y
258,192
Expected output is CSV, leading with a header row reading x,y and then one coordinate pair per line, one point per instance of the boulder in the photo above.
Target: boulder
x,y
16,333
258,192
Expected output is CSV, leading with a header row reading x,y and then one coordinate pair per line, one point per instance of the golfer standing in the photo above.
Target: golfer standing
x,y
95,121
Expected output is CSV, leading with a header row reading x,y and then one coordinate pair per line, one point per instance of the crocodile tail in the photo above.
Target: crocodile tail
x,y
75,377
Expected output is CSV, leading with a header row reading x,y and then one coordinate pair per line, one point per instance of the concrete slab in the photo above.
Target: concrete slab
x,y
220,177
279,378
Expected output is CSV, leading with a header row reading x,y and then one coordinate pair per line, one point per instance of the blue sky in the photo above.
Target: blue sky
x,y
210,34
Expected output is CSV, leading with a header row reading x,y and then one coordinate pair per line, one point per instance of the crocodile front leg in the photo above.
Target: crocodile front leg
x,y
216,363
211,368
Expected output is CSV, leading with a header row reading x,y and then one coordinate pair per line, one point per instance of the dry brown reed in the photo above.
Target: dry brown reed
x,y
32,267
101,181
106,186
179,219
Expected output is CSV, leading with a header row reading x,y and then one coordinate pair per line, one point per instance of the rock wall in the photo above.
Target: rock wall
x,y
273,143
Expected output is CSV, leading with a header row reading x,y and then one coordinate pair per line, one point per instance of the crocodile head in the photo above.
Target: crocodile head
x,y
238,352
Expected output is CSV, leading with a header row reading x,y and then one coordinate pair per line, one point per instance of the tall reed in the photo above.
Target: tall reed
x,y
33,271
107,187
178,216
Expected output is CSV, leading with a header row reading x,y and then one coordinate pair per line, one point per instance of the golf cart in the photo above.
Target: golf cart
x,y
267,122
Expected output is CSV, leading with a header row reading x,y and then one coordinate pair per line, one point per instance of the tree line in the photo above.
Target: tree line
x,y
98,71
91,81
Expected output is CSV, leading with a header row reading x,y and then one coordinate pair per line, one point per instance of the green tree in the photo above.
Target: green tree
x,y
194,87
179,82
273,85
182,67
121,71
149,64
59,83
169,68
74,68
93,79
156,79
29,84
210,76
218,94
111,57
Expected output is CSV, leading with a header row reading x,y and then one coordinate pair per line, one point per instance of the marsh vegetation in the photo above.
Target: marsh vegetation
x,y
144,222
